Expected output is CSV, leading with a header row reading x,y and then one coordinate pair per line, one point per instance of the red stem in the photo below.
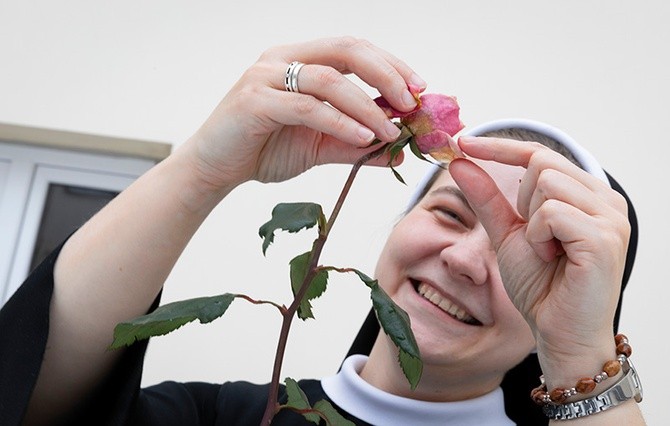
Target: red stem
x,y
272,405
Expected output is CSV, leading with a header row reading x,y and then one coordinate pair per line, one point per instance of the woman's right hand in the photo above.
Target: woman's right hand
x,y
113,267
261,132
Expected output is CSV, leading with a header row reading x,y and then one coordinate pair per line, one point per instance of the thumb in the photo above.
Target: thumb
x,y
489,204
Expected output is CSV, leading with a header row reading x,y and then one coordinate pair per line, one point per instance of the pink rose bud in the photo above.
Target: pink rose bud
x,y
434,124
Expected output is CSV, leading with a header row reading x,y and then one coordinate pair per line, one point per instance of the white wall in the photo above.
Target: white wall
x,y
155,69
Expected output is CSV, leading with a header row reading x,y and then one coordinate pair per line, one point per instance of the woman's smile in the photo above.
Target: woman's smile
x,y
445,304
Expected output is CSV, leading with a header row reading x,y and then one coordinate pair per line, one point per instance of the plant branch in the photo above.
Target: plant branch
x,y
272,405
282,309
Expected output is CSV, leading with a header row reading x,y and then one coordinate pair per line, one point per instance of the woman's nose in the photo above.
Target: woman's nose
x,y
469,256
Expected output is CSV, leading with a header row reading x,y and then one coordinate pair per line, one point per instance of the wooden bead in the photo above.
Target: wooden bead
x,y
612,368
624,349
586,385
537,395
620,338
557,395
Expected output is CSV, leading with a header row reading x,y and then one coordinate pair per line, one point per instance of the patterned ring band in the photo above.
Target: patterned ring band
x,y
291,78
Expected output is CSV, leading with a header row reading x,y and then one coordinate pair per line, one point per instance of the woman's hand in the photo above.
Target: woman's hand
x,y
113,267
561,252
260,131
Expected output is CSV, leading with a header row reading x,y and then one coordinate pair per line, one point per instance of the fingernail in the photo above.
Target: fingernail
x,y
417,81
391,130
408,99
467,139
365,134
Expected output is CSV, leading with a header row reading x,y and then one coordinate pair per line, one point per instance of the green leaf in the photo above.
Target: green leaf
x,y
298,400
395,148
397,175
330,414
291,217
299,268
366,279
170,317
416,151
405,134
396,324
411,366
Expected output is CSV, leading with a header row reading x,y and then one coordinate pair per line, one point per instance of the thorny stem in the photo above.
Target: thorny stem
x,y
272,405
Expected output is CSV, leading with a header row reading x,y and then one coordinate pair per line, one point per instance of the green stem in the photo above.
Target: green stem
x,y
272,405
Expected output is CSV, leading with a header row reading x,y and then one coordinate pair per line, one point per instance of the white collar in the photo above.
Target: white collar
x,y
359,398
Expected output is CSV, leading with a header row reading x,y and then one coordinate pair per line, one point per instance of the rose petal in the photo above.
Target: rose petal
x,y
414,90
444,112
388,109
447,153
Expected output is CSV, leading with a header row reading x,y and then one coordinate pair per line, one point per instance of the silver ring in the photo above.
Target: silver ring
x,y
291,78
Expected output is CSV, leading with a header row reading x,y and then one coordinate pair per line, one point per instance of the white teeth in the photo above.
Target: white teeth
x,y
445,304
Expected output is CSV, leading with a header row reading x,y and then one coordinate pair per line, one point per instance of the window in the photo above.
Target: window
x,y
47,192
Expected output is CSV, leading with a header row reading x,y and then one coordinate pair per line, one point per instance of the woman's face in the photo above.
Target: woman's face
x,y
439,266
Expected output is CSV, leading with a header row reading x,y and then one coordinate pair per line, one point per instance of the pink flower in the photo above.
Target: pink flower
x,y
433,123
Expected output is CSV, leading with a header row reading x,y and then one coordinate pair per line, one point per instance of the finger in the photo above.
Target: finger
x,y
507,151
577,232
389,75
491,207
351,55
328,84
536,158
411,77
554,169
522,153
552,184
299,109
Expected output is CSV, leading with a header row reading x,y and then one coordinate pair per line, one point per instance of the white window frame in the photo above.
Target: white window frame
x,y
44,176
25,174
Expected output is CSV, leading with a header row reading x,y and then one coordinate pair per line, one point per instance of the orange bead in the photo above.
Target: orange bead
x,y
557,395
620,338
537,395
624,349
585,385
612,368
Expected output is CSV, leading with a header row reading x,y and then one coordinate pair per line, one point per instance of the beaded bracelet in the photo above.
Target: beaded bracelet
x,y
585,385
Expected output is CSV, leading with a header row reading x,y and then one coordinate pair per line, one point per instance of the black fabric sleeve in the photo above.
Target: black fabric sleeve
x,y
24,328
176,404
118,400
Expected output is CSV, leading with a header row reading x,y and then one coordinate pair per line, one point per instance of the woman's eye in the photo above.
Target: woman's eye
x,y
449,214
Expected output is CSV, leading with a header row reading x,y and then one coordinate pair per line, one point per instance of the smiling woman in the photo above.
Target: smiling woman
x,y
441,249
439,210
510,249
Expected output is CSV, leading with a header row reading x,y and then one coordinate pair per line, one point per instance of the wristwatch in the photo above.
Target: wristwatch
x,y
627,387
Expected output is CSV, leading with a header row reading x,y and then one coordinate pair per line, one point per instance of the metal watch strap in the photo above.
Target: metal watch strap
x,y
627,387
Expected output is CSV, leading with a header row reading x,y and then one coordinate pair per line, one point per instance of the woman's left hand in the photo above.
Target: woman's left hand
x,y
561,251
